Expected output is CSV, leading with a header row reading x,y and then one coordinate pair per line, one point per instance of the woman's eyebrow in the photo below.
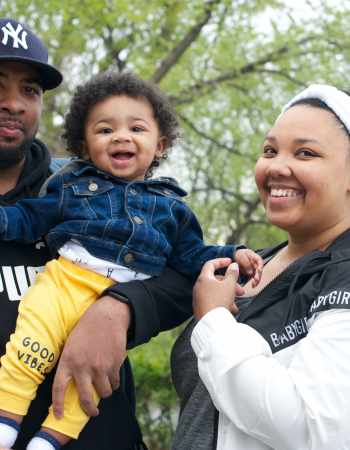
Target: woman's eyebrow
x,y
306,141
270,137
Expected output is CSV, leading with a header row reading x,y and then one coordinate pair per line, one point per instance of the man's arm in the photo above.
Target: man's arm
x,y
96,348
157,304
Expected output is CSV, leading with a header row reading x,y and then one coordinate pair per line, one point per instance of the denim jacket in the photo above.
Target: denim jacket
x,y
143,225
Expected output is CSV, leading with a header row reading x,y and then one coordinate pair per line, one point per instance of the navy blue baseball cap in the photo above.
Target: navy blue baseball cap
x,y
19,43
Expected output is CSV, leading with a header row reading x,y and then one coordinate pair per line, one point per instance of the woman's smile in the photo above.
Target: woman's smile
x,y
281,196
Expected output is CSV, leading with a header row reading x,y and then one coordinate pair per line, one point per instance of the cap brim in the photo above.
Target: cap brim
x,y
49,76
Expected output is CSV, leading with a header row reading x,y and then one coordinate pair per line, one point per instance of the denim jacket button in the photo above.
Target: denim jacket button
x,y
93,187
137,220
133,191
128,258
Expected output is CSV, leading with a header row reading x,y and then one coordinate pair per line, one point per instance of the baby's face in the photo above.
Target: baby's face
x,y
122,137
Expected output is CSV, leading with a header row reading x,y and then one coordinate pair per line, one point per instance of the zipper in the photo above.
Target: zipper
x,y
216,429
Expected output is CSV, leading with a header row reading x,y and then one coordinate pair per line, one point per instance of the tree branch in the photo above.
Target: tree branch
x,y
175,54
283,75
225,193
201,87
214,141
240,228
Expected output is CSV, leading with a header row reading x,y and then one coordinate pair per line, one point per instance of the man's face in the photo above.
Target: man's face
x,y
20,110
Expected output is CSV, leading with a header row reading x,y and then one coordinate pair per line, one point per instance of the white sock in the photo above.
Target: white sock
x,y
8,435
38,443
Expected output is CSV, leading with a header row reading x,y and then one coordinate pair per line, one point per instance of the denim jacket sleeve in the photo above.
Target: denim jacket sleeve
x,y
190,252
29,219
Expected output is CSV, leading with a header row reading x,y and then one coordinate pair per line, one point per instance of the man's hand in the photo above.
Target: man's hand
x,y
211,291
93,354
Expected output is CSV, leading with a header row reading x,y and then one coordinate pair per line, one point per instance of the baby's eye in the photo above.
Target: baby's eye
x,y
105,130
137,129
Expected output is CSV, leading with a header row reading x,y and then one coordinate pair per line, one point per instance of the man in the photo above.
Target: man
x,y
135,311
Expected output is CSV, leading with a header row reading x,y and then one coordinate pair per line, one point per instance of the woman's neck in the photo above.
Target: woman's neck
x,y
299,245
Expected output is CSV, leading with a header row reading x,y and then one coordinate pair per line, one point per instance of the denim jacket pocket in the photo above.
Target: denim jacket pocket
x,y
90,199
163,191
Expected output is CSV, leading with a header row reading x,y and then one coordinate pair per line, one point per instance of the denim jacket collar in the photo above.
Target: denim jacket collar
x,y
166,185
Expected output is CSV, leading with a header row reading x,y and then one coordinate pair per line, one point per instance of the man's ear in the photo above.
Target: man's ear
x,y
161,146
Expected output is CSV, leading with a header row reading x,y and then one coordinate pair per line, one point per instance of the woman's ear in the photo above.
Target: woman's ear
x,y
161,146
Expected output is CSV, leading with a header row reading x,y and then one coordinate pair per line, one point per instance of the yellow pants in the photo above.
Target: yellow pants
x,y
46,315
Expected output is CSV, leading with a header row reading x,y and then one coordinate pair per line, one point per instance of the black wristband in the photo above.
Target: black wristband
x,y
123,299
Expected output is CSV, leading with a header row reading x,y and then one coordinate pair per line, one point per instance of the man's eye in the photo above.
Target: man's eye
x,y
32,90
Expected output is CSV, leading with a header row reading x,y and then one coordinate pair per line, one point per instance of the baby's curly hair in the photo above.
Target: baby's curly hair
x,y
108,84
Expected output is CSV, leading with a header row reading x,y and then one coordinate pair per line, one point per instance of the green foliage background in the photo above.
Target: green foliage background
x,y
228,66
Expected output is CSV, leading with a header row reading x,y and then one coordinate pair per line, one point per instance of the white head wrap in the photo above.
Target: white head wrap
x,y
336,100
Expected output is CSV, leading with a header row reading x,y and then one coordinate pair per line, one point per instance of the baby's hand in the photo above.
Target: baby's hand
x,y
250,263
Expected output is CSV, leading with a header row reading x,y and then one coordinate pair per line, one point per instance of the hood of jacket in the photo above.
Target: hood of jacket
x,y
34,173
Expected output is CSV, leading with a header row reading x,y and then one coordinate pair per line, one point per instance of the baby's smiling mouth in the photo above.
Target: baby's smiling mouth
x,y
122,155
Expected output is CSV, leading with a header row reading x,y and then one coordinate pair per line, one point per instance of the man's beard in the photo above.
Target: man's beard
x,y
11,156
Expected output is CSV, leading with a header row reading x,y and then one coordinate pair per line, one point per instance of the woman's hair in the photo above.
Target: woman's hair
x,y
317,103
108,84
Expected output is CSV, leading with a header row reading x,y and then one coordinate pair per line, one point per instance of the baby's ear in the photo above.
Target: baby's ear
x,y
84,154
161,146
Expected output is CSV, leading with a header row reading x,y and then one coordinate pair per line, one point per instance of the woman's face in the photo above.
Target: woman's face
x,y
303,174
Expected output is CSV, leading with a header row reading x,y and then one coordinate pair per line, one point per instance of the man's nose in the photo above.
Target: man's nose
x,y
11,101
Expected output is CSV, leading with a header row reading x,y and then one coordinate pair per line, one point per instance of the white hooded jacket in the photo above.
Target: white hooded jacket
x,y
281,380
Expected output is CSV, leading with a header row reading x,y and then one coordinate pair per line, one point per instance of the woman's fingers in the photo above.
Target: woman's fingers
x,y
209,268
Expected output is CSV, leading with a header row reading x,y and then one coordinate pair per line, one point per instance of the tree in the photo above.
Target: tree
x,y
227,65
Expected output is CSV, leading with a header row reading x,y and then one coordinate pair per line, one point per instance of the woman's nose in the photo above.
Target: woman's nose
x,y
279,167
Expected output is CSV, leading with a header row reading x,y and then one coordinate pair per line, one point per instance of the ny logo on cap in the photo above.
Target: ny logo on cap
x,y
18,35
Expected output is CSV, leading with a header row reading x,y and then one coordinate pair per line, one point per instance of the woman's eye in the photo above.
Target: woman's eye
x,y
269,152
306,153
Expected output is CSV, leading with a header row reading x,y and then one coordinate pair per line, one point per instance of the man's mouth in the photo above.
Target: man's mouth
x,y
11,128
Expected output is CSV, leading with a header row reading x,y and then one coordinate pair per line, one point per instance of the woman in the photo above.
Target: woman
x,y
279,371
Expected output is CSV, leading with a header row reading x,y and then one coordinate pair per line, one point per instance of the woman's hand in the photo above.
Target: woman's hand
x,y
211,291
